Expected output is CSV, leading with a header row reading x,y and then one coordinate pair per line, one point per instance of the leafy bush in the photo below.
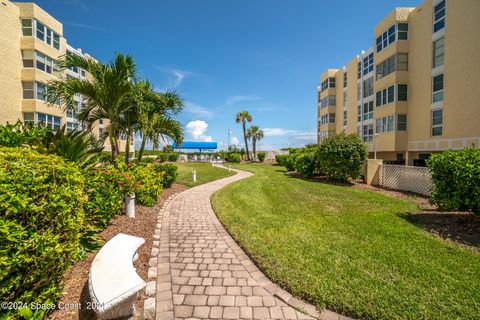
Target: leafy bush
x,y
170,173
305,164
342,156
151,182
234,158
280,159
172,157
289,161
261,156
41,218
15,135
162,157
456,179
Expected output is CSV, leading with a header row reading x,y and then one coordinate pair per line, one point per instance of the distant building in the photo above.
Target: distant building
x,y
416,91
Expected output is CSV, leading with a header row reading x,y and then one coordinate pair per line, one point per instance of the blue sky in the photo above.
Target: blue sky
x,y
224,56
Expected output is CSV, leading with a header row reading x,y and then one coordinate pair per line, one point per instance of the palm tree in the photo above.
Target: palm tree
x,y
255,134
155,118
243,117
105,93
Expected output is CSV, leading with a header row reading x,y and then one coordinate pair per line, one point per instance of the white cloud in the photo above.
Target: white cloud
x,y
198,110
197,129
176,76
239,99
234,141
294,134
81,5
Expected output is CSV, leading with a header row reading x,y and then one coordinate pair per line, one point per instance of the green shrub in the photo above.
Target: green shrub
x,y
234,158
289,161
342,157
261,156
456,179
15,135
150,182
280,159
41,218
162,157
170,173
305,164
172,157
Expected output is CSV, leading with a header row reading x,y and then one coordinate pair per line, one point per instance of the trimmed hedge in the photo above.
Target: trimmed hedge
x,y
169,173
342,156
41,222
151,183
456,179
261,156
172,157
304,163
234,157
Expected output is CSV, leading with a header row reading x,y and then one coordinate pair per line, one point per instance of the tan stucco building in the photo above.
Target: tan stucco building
x,y
415,91
31,41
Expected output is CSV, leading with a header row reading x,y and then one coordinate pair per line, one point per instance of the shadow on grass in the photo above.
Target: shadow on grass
x,y
460,227
324,180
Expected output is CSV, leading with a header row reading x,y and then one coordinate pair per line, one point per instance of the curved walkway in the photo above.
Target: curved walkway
x,y
202,273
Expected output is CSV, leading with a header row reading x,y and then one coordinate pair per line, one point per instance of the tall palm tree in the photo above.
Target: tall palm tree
x,y
255,134
104,94
155,117
243,117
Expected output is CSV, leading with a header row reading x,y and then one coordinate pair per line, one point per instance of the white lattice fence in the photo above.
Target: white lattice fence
x,y
405,178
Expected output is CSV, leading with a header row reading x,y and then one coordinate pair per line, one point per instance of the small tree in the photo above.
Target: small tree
x,y
342,157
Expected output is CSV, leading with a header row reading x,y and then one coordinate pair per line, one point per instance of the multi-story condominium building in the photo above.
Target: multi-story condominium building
x,y
416,91
31,41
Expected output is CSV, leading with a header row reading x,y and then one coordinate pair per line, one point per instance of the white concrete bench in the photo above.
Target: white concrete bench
x,y
113,281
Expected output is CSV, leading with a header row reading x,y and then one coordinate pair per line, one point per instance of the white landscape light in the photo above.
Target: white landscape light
x,y
194,176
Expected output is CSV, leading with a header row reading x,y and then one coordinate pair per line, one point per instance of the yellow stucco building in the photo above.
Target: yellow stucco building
x,y
415,91
31,41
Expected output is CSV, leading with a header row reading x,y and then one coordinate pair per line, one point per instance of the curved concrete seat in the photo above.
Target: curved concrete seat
x,y
113,281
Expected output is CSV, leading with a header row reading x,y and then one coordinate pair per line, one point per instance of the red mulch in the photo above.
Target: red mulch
x,y
75,281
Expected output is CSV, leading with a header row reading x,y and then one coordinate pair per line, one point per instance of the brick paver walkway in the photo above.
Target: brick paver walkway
x,y
203,274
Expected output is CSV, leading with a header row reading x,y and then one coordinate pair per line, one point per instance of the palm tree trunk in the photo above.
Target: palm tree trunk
x,y
142,147
254,147
112,144
127,151
245,139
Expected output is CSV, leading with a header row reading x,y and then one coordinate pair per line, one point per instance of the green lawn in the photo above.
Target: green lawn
x,y
205,173
347,249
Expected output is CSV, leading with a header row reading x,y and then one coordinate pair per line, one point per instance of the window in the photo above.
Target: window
x,y
368,64
327,118
437,88
368,110
345,99
439,16
402,94
45,63
70,112
391,123
344,79
49,121
71,126
438,52
359,113
27,58
56,41
27,27
402,31
368,133
385,96
28,91
397,62
402,122
359,91
328,83
40,91
344,117
437,122
359,72
327,101
368,87
40,31
28,117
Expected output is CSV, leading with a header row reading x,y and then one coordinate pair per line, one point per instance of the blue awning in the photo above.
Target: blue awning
x,y
196,145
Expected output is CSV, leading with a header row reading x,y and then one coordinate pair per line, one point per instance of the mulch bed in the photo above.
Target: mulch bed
x,y
75,281
462,228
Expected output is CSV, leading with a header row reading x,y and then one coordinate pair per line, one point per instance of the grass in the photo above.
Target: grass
x,y
347,249
205,173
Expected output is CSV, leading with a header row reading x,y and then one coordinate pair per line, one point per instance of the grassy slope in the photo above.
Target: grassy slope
x,y
205,173
347,249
